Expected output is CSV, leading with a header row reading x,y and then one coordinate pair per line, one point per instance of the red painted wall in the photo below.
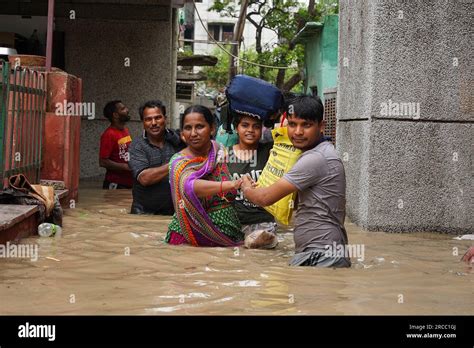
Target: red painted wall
x,y
61,147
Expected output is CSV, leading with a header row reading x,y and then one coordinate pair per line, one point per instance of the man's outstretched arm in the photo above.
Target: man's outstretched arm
x,y
152,176
264,196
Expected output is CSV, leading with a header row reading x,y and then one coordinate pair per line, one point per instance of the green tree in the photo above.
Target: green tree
x,y
217,75
286,18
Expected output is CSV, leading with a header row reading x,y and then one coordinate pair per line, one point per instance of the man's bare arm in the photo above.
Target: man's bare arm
x,y
111,165
152,176
265,196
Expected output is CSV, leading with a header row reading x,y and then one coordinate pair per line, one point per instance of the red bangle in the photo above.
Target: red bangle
x,y
222,195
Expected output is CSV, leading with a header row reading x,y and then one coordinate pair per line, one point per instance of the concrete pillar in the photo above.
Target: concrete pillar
x,y
61,149
172,121
405,120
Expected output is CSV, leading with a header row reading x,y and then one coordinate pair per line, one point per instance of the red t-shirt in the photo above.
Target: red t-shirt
x,y
114,145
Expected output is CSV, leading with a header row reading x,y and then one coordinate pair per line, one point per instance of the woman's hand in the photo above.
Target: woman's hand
x,y
237,183
247,183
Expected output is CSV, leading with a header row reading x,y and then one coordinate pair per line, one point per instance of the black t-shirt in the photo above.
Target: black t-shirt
x,y
248,212
156,198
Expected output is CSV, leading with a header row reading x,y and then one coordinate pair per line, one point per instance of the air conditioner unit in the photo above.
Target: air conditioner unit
x,y
185,91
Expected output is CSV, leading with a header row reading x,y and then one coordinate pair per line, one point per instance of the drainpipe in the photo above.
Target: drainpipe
x,y
49,35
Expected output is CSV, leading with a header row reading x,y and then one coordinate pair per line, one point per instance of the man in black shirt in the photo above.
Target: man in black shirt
x,y
149,157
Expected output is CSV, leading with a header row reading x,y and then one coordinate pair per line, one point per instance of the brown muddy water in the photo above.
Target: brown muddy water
x,y
110,262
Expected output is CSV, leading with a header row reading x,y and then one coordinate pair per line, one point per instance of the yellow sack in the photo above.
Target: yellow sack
x,y
283,156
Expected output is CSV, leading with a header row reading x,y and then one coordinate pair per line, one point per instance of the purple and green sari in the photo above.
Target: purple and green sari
x,y
210,221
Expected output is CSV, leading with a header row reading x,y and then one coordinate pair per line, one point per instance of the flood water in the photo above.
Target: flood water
x,y
110,262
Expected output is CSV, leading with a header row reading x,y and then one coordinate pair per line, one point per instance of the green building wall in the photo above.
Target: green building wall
x,y
321,49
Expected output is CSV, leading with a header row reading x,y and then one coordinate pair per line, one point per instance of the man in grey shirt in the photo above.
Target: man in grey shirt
x,y
318,177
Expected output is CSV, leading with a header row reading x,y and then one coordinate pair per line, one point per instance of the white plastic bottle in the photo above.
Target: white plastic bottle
x,y
49,230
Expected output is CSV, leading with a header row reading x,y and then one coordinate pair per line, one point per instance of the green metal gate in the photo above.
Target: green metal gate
x,y
22,113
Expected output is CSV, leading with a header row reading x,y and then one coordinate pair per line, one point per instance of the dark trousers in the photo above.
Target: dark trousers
x,y
113,186
139,209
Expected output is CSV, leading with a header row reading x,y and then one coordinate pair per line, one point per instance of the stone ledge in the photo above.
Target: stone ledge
x,y
61,193
11,214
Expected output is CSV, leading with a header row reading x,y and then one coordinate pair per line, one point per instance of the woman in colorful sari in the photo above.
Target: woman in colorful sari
x,y
201,187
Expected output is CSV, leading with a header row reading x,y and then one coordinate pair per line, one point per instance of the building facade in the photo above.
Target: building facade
x,y
121,49
222,29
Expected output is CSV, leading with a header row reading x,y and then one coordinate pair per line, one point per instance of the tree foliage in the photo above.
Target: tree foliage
x,y
285,18
217,75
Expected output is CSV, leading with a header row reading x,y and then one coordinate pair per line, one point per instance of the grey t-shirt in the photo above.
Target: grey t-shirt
x,y
319,176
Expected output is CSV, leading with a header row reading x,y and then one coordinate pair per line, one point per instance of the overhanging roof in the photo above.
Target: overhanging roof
x,y
197,60
310,29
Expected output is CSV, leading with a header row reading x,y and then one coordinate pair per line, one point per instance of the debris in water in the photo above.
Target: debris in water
x,y
52,258
361,265
243,283
465,237
458,273
379,260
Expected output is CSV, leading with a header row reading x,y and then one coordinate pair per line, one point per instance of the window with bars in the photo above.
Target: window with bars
x,y
184,91
330,115
221,32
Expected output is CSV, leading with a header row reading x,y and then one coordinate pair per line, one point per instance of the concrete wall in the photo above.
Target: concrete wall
x,y
409,170
96,50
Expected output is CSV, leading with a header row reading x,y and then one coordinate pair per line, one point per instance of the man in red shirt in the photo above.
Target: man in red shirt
x,y
114,144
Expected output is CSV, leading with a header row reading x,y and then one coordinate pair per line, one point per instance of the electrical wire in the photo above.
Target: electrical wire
x,y
229,53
